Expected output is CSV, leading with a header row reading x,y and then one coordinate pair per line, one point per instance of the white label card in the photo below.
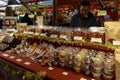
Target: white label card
x,y
36,34
99,40
53,36
116,43
65,73
83,79
6,55
63,37
18,60
77,38
42,34
12,57
11,34
27,63
30,32
25,32
50,68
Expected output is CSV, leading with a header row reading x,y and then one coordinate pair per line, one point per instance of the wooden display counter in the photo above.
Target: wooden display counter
x,y
56,73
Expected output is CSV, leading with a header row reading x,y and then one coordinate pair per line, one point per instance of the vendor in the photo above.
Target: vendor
x,y
26,19
84,18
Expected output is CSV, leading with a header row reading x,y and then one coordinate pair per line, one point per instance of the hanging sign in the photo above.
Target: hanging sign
x,y
40,21
102,13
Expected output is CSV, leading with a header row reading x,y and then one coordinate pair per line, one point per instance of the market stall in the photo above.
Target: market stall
x,y
49,47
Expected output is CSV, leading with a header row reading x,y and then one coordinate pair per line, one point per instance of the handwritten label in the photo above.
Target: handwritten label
x,y
18,60
50,68
30,32
27,63
63,37
65,73
99,40
77,38
117,43
11,34
36,34
6,55
12,57
53,36
25,32
42,34
83,79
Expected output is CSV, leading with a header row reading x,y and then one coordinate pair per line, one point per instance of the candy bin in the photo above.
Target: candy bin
x,y
78,58
69,57
97,66
56,55
86,64
56,58
109,67
77,62
62,56
69,60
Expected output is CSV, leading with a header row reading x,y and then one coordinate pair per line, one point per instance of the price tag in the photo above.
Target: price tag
x,y
65,73
11,34
18,60
117,43
42,34
83,79
99,40
53,36
27,63
36,34
77,38
6,55
25,32
50,68
12,57
30,32
63,37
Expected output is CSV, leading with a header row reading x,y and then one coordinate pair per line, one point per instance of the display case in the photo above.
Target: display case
x,y
63,48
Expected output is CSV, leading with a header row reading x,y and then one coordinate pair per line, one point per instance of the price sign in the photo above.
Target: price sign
x,y
77,38
63,37
99,40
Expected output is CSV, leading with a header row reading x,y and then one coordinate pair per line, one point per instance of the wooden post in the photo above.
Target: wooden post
x,y
54,16
116,9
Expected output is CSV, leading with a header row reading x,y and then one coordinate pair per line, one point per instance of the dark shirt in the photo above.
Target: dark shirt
x,y
78,21
27,20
